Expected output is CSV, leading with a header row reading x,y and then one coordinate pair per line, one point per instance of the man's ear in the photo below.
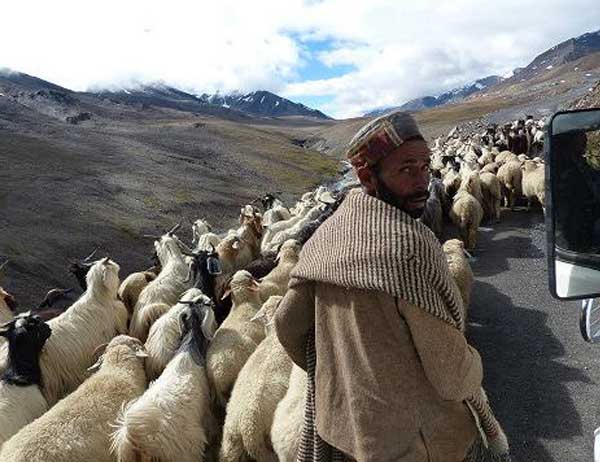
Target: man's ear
x,y
367,179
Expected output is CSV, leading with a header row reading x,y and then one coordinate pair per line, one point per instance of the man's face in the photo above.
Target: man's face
x,y
401,178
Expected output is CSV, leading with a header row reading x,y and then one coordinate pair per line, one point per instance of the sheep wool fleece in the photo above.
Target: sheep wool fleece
x,y
371,247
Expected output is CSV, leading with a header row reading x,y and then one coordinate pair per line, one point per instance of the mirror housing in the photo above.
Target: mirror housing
x,y
572,172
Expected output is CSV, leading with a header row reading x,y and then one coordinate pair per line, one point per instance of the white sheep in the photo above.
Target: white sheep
x,y
510,176
289,233
505,156
172,420
165,289
451,182
466,213
202,236
460,270
492,195
288,420
78,427
21,400
261,384
533,183
165,334
236,338
94,319
436,203
276,282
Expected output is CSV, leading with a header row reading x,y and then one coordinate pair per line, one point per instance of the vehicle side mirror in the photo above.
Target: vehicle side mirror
x,y
572,170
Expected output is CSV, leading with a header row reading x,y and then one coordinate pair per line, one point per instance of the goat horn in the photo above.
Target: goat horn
x,y
3,265
99,348
174,228
89,257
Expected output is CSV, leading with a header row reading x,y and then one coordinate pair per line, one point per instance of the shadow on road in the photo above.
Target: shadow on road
x,y
524,381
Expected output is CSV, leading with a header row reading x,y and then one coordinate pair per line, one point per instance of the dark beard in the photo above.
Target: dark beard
x,y
387,196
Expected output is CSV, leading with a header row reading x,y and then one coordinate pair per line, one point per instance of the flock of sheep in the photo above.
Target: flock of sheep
x,y
474,175
180,362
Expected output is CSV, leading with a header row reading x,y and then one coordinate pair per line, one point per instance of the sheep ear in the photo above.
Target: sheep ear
x,y
208,324
226,294
141,354
235,245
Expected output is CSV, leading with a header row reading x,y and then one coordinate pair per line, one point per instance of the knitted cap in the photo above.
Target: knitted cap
x,y
380,137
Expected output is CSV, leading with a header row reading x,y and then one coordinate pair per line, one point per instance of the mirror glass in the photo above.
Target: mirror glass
x,y
573,215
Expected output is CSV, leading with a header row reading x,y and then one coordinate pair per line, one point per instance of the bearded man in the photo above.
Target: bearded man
x,y
374,317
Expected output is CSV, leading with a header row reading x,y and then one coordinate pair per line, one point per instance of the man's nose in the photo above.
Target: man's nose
x,y
422,180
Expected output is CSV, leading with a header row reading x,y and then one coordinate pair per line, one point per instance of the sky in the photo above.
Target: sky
x,y
343,57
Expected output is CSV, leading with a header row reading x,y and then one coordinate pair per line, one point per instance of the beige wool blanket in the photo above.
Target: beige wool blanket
x,y
379,247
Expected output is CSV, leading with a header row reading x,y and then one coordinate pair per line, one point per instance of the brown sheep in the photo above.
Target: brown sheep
x,y
132,286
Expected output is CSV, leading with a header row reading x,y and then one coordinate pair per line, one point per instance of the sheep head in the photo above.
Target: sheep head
x,y
104,276
80,268
27,332
289,250
54,297
121,348
199,227
204,307
242,286
530,166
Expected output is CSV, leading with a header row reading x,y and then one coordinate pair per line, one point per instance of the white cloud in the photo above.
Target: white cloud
x,y
398,49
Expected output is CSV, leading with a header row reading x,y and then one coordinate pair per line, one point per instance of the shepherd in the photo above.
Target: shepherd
x,y
375,318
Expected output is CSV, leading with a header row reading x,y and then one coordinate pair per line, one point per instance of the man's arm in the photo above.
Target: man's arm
x,y
452,366
294,318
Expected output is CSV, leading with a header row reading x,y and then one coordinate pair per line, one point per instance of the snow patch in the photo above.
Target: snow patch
x,y
225,105
479,86
549,67
262,100
276,103
588,75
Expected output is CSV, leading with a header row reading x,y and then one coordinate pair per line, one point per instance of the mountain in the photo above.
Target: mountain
x,y
452,96
563,53
547,70
163,96
262,103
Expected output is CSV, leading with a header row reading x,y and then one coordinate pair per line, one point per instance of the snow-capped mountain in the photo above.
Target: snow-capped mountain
x,y
454,95
261,103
